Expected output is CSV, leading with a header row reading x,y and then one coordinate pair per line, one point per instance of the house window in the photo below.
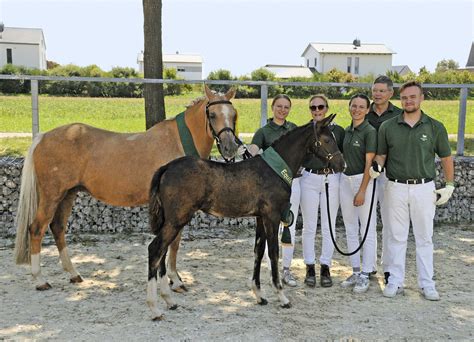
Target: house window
x,y
307,63
349,64
181,69
356,66
9,56
315,62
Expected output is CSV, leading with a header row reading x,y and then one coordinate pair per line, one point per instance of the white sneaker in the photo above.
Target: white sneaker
x,y
351,281
391,290
362,284
288,278
430,293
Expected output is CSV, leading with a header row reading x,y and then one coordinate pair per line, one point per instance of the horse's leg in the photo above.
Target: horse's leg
x,y
271,230
37,229
175,280
259,250
58,227
156,259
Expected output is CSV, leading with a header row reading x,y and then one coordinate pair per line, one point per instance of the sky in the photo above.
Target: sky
x,y
244,35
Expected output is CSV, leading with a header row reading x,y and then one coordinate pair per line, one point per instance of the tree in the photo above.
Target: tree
x,y
446,64
153,62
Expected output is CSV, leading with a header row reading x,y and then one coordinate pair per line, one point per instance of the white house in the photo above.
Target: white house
x,y
287,71
189,67
356,58
23,47
402,70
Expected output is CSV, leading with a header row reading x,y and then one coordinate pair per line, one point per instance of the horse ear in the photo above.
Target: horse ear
x,y
327,120
230,93
209,93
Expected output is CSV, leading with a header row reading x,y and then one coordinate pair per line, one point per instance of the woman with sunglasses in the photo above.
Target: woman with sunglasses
x,y
360,146
263,138
313,195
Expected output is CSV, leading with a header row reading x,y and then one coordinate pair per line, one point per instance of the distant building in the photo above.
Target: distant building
x,y
470,60
288,71
402,70
356,58
188,67
23,47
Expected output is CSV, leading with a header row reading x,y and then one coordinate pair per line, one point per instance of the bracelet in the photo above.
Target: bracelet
x,y
450,183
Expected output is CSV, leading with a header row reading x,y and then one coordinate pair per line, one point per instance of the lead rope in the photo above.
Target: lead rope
x,y
326,181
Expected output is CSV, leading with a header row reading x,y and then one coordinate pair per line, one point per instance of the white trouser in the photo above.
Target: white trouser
x,y
355,221
287,251
380,189
313,195
415,203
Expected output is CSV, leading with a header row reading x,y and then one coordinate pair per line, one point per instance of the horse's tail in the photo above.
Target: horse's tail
x,y
157,215
27,206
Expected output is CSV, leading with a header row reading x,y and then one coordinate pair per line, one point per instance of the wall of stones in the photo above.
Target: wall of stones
x,y
92,216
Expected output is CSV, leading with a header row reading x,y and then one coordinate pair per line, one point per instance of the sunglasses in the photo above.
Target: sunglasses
x,y
319,107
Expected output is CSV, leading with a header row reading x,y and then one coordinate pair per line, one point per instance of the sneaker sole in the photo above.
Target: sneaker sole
x,y
356,290
402,292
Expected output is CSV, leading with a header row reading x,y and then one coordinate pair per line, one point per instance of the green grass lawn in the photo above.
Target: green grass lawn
x,y
127,115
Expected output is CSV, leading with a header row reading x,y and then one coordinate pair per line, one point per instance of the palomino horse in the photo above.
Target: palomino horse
x,y
248,188
115,168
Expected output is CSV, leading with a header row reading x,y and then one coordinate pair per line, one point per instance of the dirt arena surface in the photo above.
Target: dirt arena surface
x,y
110,304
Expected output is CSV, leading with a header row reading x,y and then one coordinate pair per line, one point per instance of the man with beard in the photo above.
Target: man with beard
x,y
407,145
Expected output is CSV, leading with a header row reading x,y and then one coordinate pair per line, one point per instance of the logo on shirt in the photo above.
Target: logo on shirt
x,y
424,137
356,143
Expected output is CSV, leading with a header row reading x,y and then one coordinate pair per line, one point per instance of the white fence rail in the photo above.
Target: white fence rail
x,y
263,93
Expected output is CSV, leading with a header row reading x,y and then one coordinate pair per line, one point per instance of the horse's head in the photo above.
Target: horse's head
x,y
222,117
325,145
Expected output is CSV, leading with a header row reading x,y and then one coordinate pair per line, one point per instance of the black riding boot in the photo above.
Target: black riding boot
x,y
310,278
326,280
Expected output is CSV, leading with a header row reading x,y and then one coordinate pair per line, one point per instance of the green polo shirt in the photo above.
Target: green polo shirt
x,y
313,162
357,142
266,135
376,120
411,150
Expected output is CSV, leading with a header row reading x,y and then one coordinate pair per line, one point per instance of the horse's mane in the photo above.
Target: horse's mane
x,y
296,129
202,98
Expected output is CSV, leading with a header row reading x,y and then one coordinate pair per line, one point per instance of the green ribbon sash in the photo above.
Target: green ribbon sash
x,y
273,159
186,137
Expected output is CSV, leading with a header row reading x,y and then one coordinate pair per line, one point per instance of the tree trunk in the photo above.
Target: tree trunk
x,y
153,62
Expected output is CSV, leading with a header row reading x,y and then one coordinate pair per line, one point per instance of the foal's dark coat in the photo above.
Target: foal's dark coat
x,y
248,188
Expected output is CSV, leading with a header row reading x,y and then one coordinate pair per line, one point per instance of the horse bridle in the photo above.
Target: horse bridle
x,y
216,135
329,155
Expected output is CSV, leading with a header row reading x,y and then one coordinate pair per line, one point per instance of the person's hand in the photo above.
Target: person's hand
x,y
241,150
359,198
375,170
445,194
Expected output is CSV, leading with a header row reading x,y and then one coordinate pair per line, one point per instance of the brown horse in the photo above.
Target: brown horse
x,y
249,188
115,168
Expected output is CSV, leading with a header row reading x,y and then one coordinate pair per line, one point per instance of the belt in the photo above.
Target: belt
x,y
411,181
319,171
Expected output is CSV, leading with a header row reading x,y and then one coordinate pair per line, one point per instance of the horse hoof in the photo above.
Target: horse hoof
x,y
76,279
263,301
43,287
158,318
180,289
286,306
173,307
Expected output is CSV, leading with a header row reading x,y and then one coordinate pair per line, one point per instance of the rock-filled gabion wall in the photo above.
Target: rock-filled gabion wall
x,y
92,216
